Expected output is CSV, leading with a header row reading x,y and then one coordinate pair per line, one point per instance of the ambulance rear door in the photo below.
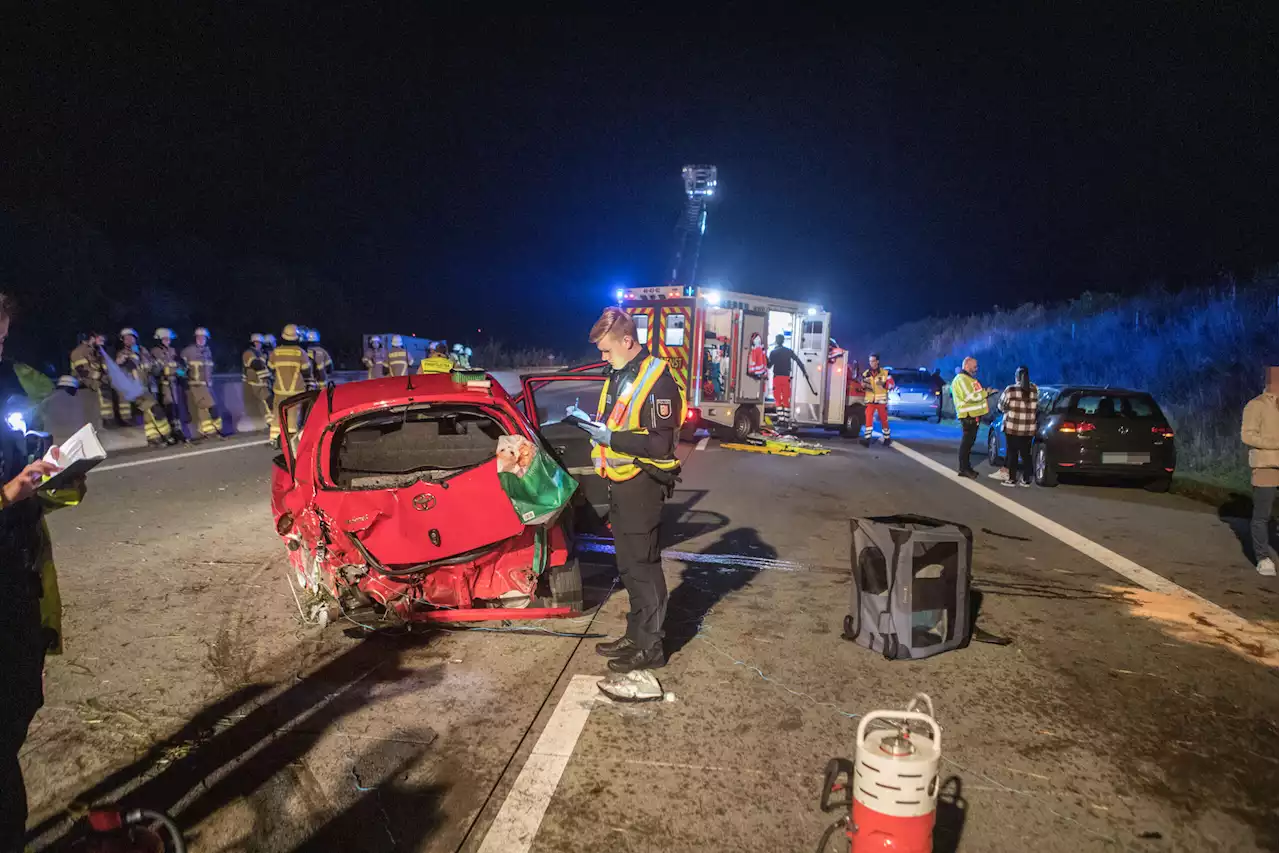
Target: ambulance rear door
x,y
807,403
749,390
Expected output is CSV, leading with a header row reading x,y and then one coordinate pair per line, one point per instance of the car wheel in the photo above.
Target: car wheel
x,y
1045,473
565,584
1159,484
744,422
853,420
993,452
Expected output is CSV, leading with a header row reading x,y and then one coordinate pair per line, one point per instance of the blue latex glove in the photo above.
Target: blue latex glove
x,y
575,412
601,435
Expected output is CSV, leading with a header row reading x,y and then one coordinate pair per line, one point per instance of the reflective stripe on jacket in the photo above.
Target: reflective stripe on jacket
x,y
876,385
969,396
199,364
398,362
292,369
625,417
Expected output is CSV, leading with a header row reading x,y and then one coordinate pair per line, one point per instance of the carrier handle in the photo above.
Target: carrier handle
x,y
915,716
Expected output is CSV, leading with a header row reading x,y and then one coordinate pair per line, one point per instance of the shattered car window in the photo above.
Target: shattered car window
x,y
397,447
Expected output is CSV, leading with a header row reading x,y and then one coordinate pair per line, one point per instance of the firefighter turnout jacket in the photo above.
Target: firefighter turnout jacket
x,y
644,407
321,365
398,361
253,367
876,385
86,364
292,368
375,359
199,360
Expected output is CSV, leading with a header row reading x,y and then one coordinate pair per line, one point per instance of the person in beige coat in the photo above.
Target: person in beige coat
x,y
1260,430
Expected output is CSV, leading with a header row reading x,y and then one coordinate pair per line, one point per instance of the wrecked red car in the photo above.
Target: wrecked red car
x,y
389,501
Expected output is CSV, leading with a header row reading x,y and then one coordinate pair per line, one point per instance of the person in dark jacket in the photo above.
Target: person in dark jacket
x,y
780,361
24,641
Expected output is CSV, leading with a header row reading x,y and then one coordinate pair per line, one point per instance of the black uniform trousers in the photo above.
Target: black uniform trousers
x,y
968,436
635,512
22,648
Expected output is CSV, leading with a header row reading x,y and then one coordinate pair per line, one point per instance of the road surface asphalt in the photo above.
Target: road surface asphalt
x,y
1113,721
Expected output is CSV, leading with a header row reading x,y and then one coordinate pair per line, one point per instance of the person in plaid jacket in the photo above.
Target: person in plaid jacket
x,y
1018,402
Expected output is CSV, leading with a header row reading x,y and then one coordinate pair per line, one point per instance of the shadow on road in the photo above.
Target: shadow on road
x,y
232,749
703,585
950,817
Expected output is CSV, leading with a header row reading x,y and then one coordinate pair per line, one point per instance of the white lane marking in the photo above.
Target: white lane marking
x,y
594,545
1224,619
702,443
512,831
178,457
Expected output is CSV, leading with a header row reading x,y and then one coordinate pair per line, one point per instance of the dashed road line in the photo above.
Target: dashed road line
x,y
702,443
1223,619
178,457
513,830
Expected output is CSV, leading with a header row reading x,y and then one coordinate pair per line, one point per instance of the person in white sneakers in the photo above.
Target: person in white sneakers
x,y
1260,430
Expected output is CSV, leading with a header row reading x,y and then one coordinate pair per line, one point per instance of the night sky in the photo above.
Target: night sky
x,y
510,172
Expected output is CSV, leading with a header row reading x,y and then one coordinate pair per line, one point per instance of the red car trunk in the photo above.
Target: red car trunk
x,y
426,521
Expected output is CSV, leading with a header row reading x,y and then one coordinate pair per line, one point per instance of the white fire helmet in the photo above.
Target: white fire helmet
x,y
457,347
128,331
163,334
255,338
375,341
201,330
397,341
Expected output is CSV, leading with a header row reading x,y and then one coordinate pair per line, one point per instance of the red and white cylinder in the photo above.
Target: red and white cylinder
x,y
895,784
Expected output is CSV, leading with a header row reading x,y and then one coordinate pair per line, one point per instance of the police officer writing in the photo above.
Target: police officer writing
x,y
634,436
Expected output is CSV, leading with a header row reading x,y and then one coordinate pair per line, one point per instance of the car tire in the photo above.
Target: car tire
x,y
993,453
854,418
1159,484
746,420
1045,474
565,584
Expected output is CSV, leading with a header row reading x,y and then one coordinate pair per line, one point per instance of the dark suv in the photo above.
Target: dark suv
x,y
1110,432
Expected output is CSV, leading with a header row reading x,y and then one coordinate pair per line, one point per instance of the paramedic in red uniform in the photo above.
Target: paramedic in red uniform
x,y
641,410
780,361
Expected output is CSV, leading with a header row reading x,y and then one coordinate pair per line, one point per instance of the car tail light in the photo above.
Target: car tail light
x,y
1077,426
693,416
1162,431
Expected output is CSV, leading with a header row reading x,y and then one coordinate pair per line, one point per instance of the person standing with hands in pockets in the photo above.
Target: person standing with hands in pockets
x,y
634,435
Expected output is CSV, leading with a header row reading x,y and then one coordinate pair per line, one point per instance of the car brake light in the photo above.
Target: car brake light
x,y
1077,427
693,416
1162,431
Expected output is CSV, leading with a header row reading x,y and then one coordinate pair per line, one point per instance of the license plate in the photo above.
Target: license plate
x,y
1126,458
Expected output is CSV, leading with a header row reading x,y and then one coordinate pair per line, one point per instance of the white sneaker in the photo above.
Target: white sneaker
x,y
1001,474
1267,567
1009,483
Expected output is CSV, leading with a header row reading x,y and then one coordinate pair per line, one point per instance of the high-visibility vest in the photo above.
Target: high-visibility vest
x,y
625,417
757,363
876,385
292,368
969,396
398,361
435,364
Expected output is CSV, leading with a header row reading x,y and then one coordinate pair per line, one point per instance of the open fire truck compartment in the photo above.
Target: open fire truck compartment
x,y
706,337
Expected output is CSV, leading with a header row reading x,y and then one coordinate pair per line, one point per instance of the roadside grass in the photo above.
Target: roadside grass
x,y
1200,352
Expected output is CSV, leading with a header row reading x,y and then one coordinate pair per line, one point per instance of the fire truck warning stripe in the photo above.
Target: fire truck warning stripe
x,y
513,830
1240,629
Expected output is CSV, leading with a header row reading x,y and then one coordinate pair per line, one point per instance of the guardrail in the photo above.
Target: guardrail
x,y
64,414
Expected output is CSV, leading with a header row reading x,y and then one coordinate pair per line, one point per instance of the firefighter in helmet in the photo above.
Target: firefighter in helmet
x,y
292,369
456,355
201,407
375,358
168,370
398,357
256,379
136,363
88,368
321,361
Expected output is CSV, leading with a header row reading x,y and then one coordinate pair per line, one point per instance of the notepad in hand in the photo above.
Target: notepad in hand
x,y
76,456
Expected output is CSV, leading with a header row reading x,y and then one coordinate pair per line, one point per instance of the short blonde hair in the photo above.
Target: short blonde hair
x,y
613,321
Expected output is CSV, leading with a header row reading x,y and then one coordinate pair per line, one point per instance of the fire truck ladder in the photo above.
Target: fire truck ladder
x,y
699,189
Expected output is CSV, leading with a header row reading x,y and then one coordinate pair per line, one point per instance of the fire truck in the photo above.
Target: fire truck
x,y
706,337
